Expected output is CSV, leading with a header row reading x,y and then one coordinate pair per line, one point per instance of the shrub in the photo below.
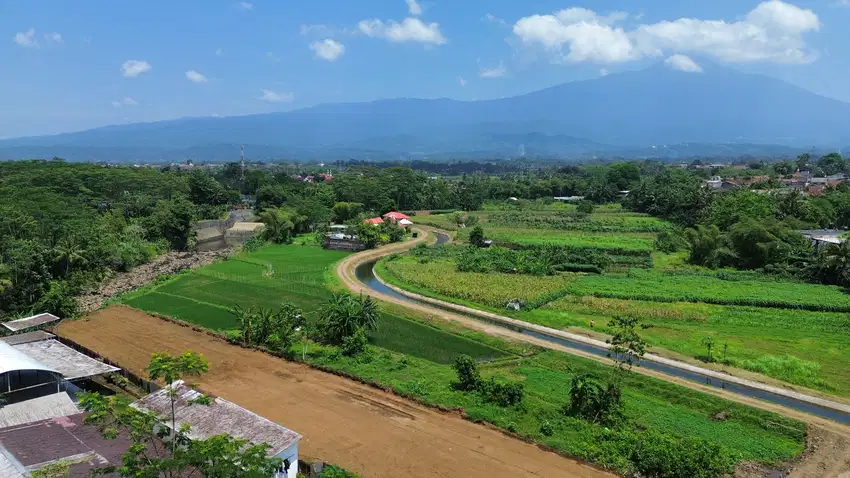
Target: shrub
x,y
670,241
592,401
502,394
546,429
662,456
253,243
476,237
585,207
355,344
468,377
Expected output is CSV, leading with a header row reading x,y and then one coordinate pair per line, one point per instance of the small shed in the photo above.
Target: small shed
x,y
374,221
220,417
395,216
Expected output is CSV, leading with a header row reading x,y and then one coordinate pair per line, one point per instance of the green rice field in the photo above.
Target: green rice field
x,y
205,296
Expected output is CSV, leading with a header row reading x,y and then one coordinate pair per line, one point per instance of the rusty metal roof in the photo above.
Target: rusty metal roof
x,y
220,417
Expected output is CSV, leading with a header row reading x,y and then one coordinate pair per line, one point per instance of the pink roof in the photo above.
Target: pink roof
x,y
396,215
374,220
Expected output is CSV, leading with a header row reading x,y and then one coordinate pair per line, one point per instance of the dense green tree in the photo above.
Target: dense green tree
x,y
831,163
204,189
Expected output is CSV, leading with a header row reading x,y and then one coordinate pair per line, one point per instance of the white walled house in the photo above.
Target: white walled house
x,y
224,417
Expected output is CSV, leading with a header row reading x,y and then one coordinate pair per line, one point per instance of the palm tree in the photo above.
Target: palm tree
x,y
69,251
835,263
344,314
278,225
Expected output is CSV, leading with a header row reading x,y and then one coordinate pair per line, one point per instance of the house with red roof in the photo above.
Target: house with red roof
x,y
395,216
374,221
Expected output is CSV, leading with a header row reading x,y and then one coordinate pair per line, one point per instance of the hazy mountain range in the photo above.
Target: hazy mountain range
x,y
656,112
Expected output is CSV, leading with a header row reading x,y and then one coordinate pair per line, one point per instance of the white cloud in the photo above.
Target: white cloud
x,y
461,81
328,49
683,63
409,30
53,37
126,101
275,97
772,32
496,72
195,77
604,72
246,5
26,39
494,19
134,68
219,52
414,8
577,35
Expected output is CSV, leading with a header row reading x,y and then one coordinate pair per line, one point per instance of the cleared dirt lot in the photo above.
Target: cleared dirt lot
x,y
355,426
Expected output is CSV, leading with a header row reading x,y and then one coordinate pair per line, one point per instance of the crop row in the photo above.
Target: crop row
x,y
660,287
491,289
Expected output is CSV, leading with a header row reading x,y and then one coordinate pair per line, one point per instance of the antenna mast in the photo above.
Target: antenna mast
x,y
242,160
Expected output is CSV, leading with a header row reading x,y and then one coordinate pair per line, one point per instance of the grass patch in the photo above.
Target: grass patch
x,y
427,342
205,315
788,368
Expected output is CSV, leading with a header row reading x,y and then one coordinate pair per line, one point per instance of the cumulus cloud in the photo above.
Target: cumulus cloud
x,y
327,49
26,39
604,72
195,77
246,5
414,8
496,72
125,101
409,30
276,97
134,68
683,63
53,37
461,81
772,32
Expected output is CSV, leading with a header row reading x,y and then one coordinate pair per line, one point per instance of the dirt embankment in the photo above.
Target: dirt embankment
x,y
168,263
368,431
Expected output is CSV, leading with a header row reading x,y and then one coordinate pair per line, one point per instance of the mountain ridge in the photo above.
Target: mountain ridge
x,y
621,113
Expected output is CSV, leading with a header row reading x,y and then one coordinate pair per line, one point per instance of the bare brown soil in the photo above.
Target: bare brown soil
x,y
371,432
168,263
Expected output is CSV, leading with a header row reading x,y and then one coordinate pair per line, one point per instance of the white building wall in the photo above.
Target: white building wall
x,y
290,454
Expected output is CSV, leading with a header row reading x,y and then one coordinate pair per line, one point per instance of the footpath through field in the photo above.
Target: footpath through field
x,y
373,433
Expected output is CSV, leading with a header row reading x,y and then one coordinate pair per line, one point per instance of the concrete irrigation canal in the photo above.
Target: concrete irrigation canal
x,y
365,274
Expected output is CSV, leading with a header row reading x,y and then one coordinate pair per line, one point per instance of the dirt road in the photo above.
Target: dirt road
x,y
373,433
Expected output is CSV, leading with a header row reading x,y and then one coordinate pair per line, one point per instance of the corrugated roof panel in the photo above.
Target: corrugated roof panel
x,y
37,409
218,418
63,359
12,359
33,321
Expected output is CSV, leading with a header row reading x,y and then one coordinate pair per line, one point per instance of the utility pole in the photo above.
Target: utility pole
x,y
242,159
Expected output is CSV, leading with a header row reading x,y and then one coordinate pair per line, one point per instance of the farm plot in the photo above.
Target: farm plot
x,y
206,295
713,288
491,289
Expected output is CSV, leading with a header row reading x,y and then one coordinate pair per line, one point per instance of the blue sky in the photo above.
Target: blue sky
x,y
76,65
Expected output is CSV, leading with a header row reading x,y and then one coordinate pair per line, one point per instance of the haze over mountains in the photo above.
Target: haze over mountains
x,y
657,112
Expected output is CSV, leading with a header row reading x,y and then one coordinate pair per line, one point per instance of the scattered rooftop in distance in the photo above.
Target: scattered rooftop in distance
x,y
217,418
34,321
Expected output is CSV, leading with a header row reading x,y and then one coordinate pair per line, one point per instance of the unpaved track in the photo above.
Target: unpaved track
x,y
831,457
373,433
